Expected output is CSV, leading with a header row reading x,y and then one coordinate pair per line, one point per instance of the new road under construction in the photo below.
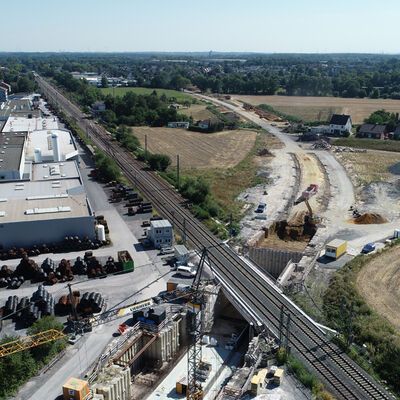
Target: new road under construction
x,y
255,295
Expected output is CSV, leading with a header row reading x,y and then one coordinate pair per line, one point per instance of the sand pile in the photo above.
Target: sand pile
x,y
370,218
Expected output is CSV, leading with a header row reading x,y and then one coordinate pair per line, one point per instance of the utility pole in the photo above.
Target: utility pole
x,y
145,145
284,329
184,231
178,184
71,299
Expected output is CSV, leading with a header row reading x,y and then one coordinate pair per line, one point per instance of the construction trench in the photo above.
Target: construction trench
x,y
151,356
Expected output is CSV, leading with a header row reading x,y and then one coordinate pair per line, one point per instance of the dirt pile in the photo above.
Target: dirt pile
x,y
370,218
298,228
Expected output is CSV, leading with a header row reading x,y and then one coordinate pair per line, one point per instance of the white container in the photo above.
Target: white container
x,y
396,233
101,233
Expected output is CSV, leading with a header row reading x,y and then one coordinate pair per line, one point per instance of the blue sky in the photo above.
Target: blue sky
x,y
201,25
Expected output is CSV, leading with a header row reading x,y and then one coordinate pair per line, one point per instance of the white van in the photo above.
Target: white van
x,y
186,271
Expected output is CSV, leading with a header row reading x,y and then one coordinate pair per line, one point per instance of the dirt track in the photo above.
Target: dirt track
x,y
379,283
311,172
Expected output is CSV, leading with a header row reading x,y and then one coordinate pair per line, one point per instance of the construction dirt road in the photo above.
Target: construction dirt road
x,y
379,283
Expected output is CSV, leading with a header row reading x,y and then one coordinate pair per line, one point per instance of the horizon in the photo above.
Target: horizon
x,y
229,26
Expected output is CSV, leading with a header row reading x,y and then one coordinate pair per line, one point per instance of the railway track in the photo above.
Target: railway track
x,y
344,378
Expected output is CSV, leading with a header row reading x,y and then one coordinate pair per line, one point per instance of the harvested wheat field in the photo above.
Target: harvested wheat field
x,y
199,150
379,283
321,108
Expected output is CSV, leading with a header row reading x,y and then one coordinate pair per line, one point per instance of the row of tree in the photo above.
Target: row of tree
x,y
352,75
19,367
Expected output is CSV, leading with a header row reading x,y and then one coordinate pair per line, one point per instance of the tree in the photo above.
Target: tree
x,y
24,84
375,94
45,352
104,81
107,167
15,369
158,162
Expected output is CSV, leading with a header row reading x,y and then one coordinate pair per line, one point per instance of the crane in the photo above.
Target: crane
x,y
196,303
306,195
83,325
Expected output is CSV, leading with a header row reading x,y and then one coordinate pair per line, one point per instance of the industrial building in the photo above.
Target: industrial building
x,y
45,209
40,183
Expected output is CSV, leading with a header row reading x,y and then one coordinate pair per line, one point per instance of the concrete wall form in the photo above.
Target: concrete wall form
x,y
114,384
273,261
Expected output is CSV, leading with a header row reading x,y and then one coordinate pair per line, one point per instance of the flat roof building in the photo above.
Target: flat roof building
x,y
46,209
25,124
12,156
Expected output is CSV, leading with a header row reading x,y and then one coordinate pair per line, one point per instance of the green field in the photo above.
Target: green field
x,y
120,91
370,144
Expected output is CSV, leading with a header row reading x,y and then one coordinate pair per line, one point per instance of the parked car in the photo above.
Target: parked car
x,y
260,208
368,248
186,271
166,250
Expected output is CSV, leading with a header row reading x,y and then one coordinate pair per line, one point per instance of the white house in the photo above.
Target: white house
x,y
340,124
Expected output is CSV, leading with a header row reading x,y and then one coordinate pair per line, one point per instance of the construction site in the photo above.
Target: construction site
x,y
187,342
162,309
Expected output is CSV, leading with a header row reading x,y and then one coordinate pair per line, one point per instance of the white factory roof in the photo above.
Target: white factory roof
x,y
23,124
41,200
161,223
41,139
55,171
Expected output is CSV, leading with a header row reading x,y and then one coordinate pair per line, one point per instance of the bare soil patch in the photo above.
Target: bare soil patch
x,y
372,166
321,108
379,283
199,150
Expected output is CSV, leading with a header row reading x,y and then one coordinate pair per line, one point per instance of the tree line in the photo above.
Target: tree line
x,y
352,75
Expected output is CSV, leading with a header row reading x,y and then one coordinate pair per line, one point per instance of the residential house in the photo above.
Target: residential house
x,y
340,125
372,131
160,233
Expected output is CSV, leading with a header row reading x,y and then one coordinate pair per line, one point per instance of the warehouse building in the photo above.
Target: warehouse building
x,y
42,197
45,209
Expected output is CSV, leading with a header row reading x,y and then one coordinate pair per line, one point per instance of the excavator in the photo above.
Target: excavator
x,y
306,195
